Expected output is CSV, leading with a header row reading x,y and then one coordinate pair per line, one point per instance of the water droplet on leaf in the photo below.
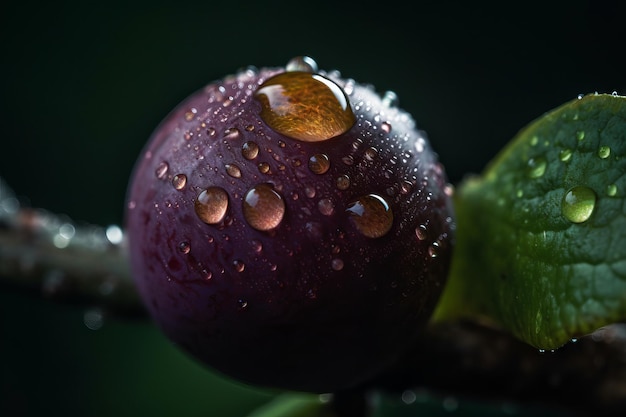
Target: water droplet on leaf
x,y
319,163
179,181
250,150
578,204
536,167
604,152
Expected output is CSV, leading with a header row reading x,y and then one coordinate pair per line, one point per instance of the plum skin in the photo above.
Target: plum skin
x,y
313,304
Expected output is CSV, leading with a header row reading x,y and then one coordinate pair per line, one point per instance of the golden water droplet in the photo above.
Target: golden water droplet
x,y
233,170
305,106
319,163
263,207
250,150
211,205
371,215
179,181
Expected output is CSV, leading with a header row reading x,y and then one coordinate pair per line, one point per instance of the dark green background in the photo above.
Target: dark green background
x,y
83,86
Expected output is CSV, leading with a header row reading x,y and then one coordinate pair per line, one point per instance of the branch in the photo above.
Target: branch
x,y
49,254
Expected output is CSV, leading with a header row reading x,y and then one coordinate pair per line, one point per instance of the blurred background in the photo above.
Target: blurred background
x,y
85,83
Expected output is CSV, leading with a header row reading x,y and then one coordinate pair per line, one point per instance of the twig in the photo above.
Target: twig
x,y
50,255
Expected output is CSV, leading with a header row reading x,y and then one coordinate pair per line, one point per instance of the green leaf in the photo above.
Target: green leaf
x,y
295,405
541,234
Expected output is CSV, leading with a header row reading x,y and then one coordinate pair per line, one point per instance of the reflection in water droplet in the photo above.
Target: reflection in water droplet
x,y
184,247
211,205
263,208
264,167
302,63
536,167
565,155
239,265
611,190
343,182
161,170
604,152
578,204
337,264
319,163
232,133
326,206
371,215
421,232
233,170
93,319
390,99
305,106
250,150
179,181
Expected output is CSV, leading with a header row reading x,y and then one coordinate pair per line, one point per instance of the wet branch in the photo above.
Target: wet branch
x,y
49,255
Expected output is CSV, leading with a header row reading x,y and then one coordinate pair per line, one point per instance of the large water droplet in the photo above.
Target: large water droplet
x,y
371,215
211,205
578,203
305,106
263,207
319,163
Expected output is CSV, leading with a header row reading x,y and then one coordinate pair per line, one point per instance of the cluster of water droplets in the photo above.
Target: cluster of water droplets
x,y
578,202
263,205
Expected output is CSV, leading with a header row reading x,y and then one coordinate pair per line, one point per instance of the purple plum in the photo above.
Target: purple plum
x,y
290,228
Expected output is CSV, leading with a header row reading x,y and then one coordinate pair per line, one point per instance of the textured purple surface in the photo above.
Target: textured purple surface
x,y
312,304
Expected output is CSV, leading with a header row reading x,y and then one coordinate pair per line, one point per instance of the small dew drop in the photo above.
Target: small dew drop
x,y
184,247
250,150
371,154
233,170
536,167
421,232
319,163
257,246
578,204
263,207
190,114
211,205
604,152
93,319
302,63
264,167
433,250
161,170
326,206
179,181
337,264
580,135
371,215
232,133
386,127
390,99
565,155
611,190
239,265
343,182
